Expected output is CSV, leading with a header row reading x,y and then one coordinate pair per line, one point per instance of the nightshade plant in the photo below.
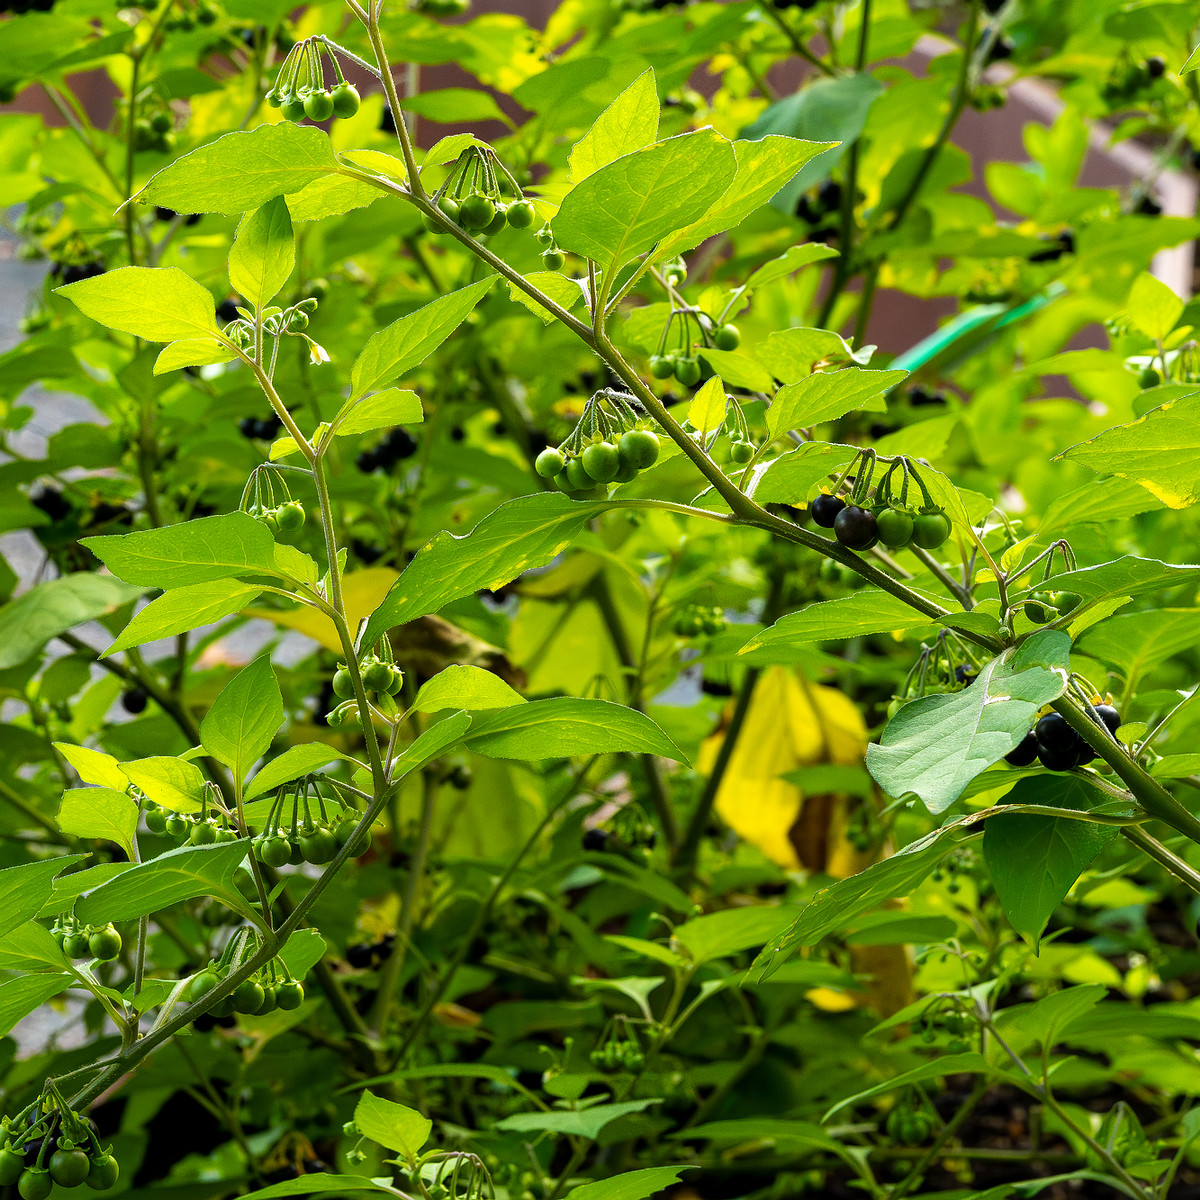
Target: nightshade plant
x,y
464,894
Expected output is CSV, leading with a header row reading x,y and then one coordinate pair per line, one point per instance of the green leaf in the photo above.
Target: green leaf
x,y
30,621
465,687
244,718
719,934
99,812
436,740
31,947
1153,307
409,341
180,874
554,285
392,1125
629,123
331,196
707,409
94,766
1192,63
838,906
1035,860
192,352
1137,642
243,170
19,997
321,1183
631,1185
68,888
793,259
1125,576
782,1133
855,615
26,888
829,395
170,782
1160,451
791,354
762,169
1043,1023
970,1063
564,727
160,304
834,109
291,764
791,478
625,208
263,254
183,609
380,411
936,745
517,536
589,1123
196,552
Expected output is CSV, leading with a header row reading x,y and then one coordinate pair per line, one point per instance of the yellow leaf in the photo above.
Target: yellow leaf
x,y
707,410
362,591
791,723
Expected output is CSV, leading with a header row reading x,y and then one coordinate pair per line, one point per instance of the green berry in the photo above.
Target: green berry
x,y
895,527
741,452
577,476
104,1173
35,1184
638,449
376,676
662,366
521,214
318,847
11,1165
204,833
291,516
289,994
156,820
549,463
346,100
318,105
343,684
274,851
201,984
104,944
69,1168
553,258
247,997
476,211
727,337
602,461
930,529
292,108
687,371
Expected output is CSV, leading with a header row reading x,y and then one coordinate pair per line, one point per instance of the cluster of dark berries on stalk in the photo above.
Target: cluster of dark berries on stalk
x,y
1056,744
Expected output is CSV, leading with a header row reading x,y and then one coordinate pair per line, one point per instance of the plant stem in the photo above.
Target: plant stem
x,y
389,977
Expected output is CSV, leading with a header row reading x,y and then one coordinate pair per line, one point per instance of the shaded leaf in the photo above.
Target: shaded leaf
x,y
183,609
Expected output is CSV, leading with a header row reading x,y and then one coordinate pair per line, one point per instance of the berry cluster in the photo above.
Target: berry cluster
x,y
692,620
1129,79
397,445
682,361
816,207
197,829
481,196
261,429
362,955
909,1126
618,1055
380,677
101,942
300,89
264,992
609,444
48,1144
308,836
552,257
155,132
1056,745
443,8
628,834
1042,607
75,272
266,498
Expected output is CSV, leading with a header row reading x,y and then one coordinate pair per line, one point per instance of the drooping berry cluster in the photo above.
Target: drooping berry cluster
x,y
47,1144
269,988
300,90
692,620
314,832
481,196
381,680
609,444
99,942
266,498
1056,744
885,517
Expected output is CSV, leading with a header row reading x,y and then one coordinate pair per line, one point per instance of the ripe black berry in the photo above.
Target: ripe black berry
x,y
1024,752
825,509
855,527
134,701
595,839
1054,734
360,955
1111,718
51,501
